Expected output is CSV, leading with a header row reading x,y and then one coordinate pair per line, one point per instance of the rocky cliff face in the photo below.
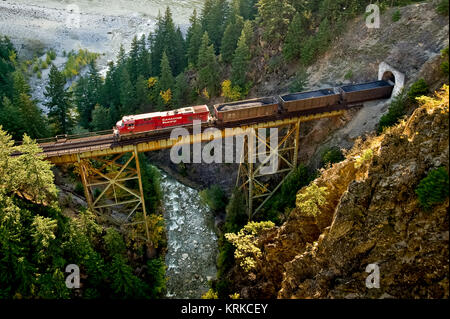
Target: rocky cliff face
x,y
372,216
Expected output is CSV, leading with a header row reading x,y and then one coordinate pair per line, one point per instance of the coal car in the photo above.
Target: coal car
x,y
245,110
358,93
302,101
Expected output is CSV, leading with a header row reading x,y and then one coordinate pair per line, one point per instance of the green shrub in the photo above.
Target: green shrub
x,y
39,75
247,252
275,63
114,242
331,156
35,68
396,111
300,81
157,282
79,189
442,7
44,65
396,16
236,216
433,189
310,199
364,158
419,88
210,294
51,55
348,75
214,197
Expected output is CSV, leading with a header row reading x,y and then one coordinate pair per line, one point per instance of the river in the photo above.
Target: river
x,y
192,242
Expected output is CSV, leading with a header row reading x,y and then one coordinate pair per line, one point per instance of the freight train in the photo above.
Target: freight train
x,y
256,109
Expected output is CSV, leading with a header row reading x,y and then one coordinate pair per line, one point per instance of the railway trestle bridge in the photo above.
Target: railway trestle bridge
x,y
111,174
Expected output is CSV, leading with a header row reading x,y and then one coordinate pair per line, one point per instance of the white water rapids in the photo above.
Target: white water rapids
x,y
192,242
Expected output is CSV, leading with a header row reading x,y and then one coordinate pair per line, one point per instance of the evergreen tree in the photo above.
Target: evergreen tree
x,y
231,38
208,75
142,94
181,91
59,103
11,119
214,17
100,118
110,93
166,80
194,39
323,36
6,68
127,94
275,17
246,8
293,41
34,123
167,39
144,59
20,85
133,61
242,57
87,94
180,52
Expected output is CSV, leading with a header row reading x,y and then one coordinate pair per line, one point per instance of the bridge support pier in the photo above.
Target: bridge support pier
x,y
109,186
259,188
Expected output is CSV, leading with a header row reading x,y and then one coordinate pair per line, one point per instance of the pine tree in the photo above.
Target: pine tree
x,y
275,17
59,103
167,39
179,47
11,119
127,94
133,61
87,94
231,38
214,17
144,59
323,36
20,85
6,68
181,91
100,118
142,94
121,56
247,8
110,93
166,80
34,122
194,39
208,75
293,41
242,57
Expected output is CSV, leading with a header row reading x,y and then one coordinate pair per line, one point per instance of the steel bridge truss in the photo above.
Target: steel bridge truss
x,y
108,187
259,186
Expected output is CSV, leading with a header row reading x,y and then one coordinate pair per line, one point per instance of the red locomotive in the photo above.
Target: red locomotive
x,y
159,120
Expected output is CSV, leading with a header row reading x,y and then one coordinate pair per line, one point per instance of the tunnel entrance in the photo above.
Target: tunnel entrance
x,y
388,76
389,73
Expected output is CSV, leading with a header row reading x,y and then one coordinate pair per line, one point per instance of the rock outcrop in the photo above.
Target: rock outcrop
x,y
372,216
